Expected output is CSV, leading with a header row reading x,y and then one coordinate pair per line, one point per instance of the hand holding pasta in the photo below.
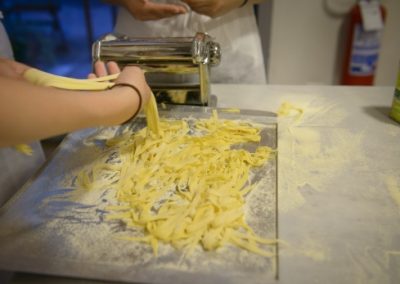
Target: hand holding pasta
x,y
36,105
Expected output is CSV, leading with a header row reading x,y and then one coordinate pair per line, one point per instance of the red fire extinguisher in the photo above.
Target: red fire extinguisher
x,y
362,48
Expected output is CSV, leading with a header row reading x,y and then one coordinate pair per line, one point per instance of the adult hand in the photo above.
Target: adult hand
x,y
146,10
213,8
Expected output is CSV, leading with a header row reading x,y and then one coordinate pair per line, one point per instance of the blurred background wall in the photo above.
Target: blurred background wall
x,y
304,40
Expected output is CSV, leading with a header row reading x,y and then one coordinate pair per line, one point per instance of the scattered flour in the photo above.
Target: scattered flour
x,y
312,149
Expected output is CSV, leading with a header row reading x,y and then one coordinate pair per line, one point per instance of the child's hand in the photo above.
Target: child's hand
x,y
102,69
135,76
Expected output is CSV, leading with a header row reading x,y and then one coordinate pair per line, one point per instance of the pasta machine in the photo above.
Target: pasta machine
x,y
177,68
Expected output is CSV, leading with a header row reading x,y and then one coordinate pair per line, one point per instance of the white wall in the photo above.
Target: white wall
x,y
303,41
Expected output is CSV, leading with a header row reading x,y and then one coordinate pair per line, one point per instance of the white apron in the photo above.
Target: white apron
x,y
15,168
236,31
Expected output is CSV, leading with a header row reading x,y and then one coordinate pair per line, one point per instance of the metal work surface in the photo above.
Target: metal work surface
x,y
338,184
338,181
43,231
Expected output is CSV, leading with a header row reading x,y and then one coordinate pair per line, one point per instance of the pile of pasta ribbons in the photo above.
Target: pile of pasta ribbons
x,y
180,182
183,188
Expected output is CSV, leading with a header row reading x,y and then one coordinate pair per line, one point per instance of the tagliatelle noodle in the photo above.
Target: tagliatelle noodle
x,y
181,188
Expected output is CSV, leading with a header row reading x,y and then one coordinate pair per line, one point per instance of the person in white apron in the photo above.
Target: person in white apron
x,y
236,31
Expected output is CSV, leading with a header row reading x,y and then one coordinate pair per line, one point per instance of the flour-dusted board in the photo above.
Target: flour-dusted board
x,y
42,231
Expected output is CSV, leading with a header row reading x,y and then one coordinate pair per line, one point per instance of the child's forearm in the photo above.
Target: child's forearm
x,y
29,112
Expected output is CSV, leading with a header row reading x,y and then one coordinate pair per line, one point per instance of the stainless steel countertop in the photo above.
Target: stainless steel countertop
x,y
338,186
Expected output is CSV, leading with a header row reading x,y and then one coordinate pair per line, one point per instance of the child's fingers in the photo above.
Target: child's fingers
x,y
92,76
100,69
113,67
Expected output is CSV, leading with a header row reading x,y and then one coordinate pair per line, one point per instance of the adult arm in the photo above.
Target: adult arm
x,y
29,112
146,10
216,8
